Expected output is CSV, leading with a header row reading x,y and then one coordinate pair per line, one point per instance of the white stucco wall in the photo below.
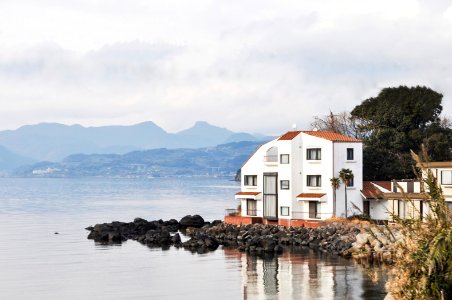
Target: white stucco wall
x,y
378,209
356,165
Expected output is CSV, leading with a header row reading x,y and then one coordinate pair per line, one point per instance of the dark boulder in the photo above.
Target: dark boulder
x,y
191,221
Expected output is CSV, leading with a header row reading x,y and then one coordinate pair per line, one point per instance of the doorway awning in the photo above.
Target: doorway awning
x,y
311,197
248,195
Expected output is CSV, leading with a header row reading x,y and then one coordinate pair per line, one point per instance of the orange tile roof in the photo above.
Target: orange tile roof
x,y
288,136
310,195
248,193
370,191
332,136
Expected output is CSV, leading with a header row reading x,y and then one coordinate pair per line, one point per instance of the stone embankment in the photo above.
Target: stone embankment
x,y
344,239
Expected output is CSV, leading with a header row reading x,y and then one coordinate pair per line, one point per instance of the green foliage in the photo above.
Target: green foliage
x,y
346,175
396,121
423,261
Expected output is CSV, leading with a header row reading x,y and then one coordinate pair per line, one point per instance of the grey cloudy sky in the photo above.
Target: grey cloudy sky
x,y
255,66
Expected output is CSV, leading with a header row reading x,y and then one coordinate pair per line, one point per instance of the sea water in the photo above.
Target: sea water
x,y
44,252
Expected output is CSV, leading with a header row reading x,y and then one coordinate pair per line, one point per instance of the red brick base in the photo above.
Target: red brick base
x,y
239,220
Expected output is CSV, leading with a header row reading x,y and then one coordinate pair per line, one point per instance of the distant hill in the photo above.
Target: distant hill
x,y
53,141
221,160
10,160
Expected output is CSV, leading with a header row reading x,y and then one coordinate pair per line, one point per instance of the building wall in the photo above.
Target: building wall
x,y
324,167
378,209
356,165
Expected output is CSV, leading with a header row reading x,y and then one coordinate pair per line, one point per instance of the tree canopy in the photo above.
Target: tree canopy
x,y
398,120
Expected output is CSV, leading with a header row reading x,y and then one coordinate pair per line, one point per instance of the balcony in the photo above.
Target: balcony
x,y
271,159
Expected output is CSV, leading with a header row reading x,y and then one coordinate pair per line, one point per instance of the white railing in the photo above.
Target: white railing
x,y
305,215
271,158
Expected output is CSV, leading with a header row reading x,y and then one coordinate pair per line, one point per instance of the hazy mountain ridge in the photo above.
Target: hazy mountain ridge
x,y
221,160
53,141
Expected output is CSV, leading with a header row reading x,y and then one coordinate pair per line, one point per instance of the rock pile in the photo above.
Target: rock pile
x,y
258,238
375,246
344,239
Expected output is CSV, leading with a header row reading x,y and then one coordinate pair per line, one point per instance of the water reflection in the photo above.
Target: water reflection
x,y
306,273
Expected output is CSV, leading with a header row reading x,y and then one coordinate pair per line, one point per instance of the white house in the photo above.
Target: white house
x,y
288,179
386,199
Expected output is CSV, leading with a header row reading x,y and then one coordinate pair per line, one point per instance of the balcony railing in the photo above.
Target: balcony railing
x,y
252,212
232,212
304,215
271,158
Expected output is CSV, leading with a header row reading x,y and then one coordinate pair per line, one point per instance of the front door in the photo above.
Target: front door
x,y
271,196
314,209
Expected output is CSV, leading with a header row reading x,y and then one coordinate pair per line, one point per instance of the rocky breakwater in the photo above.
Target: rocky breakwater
x,y
157,233
260,239
345,239
376,245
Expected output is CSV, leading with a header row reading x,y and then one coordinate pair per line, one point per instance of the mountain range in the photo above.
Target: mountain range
x,y
221,160
58,143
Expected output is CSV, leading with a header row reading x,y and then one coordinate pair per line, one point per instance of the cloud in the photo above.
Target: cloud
x,y
254,66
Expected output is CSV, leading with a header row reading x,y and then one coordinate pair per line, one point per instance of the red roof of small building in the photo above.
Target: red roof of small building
x,y
288,136
370,191
248,193
332,136
310,195
327,135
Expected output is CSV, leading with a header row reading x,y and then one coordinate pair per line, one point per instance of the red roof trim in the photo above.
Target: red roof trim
x,y
310,195
332,136
288,136
248,193
370,191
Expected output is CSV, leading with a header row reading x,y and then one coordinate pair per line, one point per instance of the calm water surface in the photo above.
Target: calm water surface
x,y
35,263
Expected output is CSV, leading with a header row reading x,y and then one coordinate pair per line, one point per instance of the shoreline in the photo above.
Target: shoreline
x,y
348,240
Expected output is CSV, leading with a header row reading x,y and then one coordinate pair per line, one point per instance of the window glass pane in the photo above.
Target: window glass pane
x,y
314,180
350,153
251,207
271,155
350,182
284,158
446,177
284,210
270,206
251,180
314,154
284,184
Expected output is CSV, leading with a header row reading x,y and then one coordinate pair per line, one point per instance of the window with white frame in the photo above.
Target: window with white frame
x,y
250,180
314,154
350,154
251,207
446,177
284,184
285,210
314,180
284,159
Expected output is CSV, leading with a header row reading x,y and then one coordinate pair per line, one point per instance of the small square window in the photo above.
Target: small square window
x,y
350,154
250,180
284,184
314,154
284,158
446,177
350,182
284,210
314,180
